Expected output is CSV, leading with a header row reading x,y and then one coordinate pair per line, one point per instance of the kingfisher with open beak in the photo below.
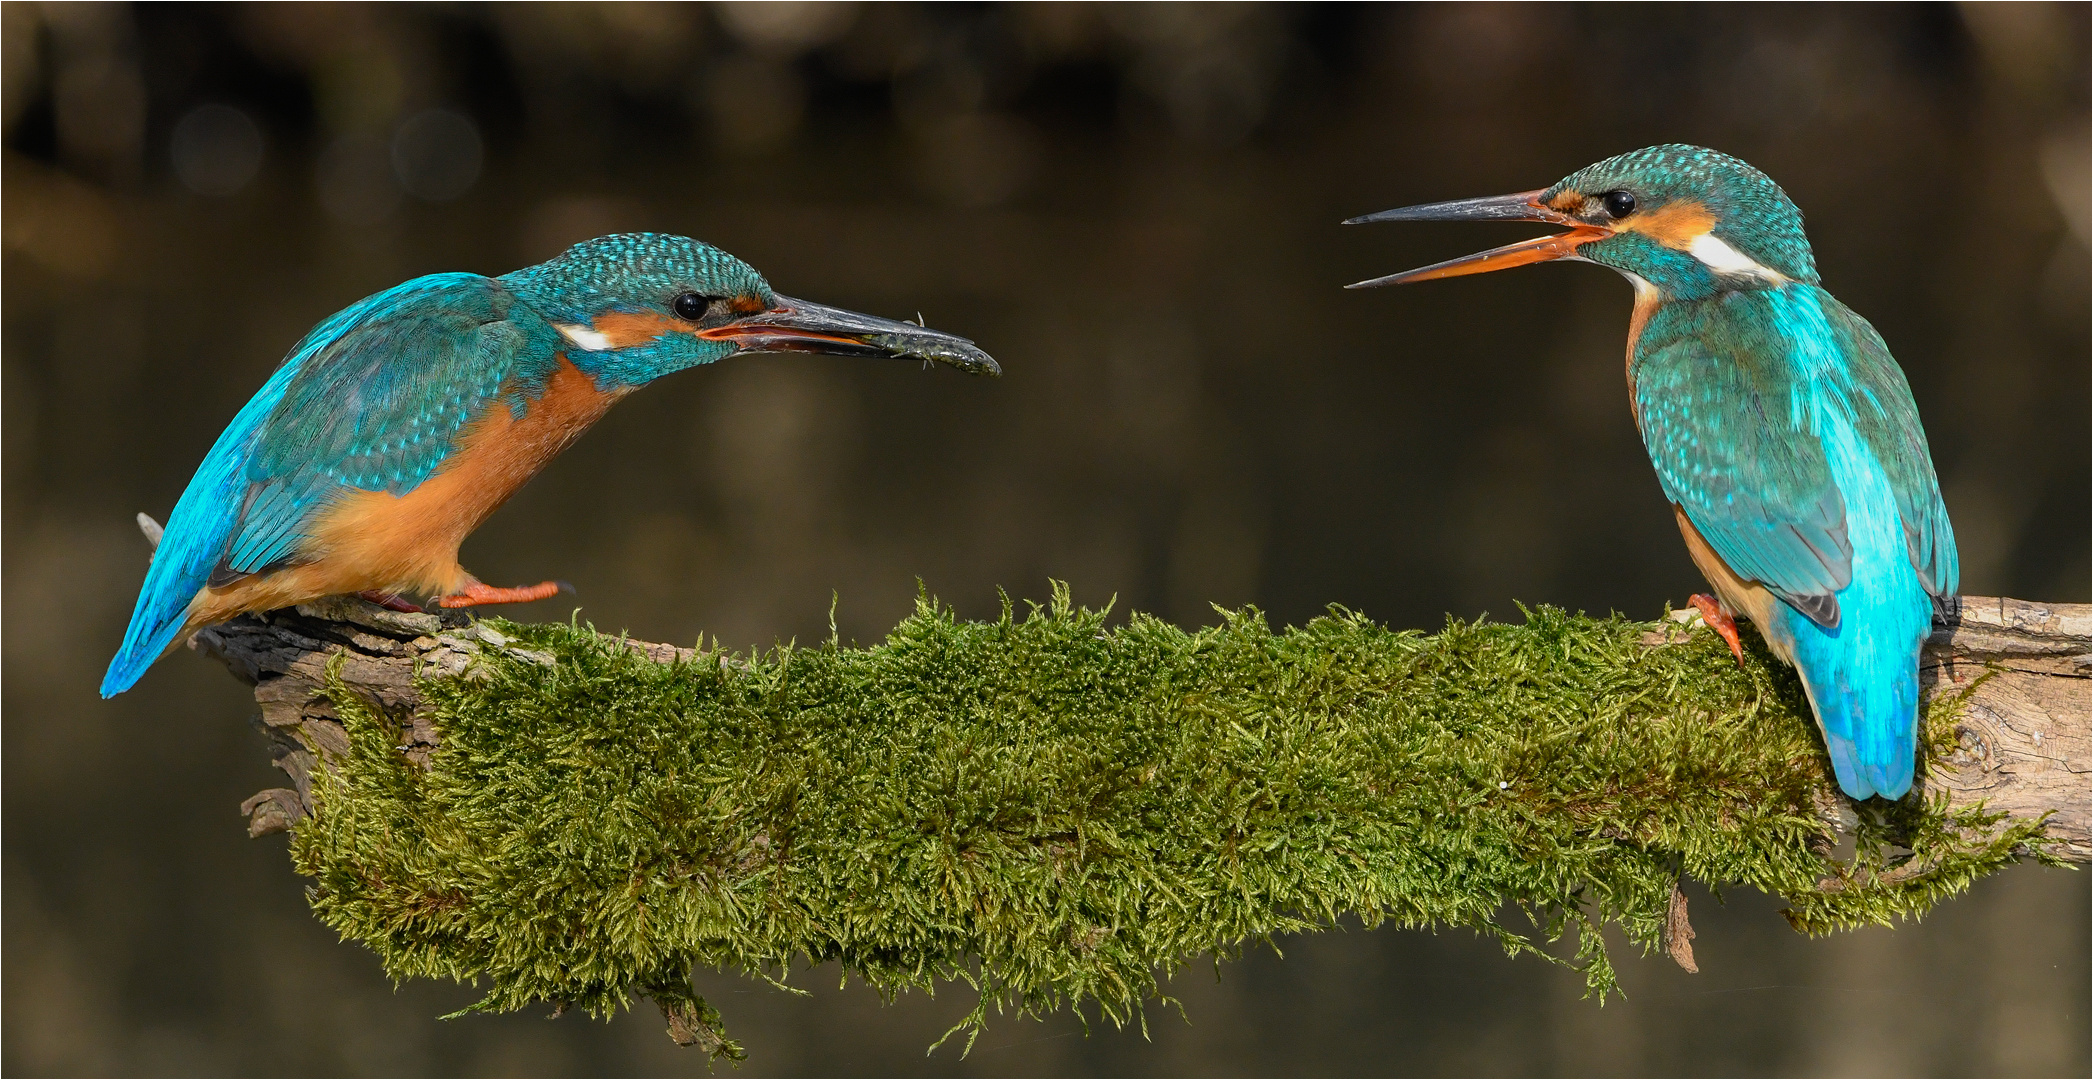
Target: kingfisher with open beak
x,y
1782,430
400,423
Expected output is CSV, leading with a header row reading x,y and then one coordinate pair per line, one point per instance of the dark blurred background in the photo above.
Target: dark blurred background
x,y
1135,209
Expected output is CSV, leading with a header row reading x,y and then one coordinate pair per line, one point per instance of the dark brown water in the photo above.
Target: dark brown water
x,y
1135,210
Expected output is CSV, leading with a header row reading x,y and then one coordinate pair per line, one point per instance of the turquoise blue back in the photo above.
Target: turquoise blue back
x,y
1779,423
370,400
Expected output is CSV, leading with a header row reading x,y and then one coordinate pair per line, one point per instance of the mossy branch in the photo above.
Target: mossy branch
x,y
1058,810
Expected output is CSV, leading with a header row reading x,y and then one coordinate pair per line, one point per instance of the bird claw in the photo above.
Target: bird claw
x,y
389,601
1719,621
477,594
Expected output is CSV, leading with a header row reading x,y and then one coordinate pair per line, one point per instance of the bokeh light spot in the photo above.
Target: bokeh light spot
x,y
357,186
217,150
785,27
437,155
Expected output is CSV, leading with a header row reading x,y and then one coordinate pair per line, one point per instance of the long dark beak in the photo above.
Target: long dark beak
x,y
1522,206
804,326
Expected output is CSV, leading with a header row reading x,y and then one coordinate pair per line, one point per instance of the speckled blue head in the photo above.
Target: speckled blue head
x,y
1681,193
634,272
636,306
1687,220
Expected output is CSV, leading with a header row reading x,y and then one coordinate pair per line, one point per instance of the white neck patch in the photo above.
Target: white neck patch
x,y
1719,256
592,340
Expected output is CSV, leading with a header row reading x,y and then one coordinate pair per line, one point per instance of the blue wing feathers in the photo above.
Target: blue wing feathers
x,y
375,407
273,513
1763,498
1891,423
372,399
1779,423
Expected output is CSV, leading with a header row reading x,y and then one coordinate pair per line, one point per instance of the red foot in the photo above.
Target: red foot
x,y
1720,622
390,601
476,594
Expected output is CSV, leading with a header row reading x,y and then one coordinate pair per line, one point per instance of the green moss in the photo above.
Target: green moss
x,y
1057,811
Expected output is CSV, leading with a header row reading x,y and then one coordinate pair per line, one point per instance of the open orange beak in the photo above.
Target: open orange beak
x,y
1522,206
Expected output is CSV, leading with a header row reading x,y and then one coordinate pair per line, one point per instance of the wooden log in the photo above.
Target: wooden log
x,y
2024,739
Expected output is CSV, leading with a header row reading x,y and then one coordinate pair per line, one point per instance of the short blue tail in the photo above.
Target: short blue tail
x,y
1869,716
189,548
1863,680
150,633
193,541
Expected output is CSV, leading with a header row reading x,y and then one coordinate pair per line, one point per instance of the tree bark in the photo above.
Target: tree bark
x,y
2023,743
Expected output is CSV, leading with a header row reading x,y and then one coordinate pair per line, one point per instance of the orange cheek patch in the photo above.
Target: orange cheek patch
x,y
1675,225
625,329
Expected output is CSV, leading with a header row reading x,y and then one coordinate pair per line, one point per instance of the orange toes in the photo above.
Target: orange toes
x,y
1720,622
477,594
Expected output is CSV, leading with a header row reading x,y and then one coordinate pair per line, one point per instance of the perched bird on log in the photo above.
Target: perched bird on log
x,y
1782,430
399,424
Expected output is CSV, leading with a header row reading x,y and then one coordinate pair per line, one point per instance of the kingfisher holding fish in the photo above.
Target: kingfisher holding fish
x,y
1782,430
399,424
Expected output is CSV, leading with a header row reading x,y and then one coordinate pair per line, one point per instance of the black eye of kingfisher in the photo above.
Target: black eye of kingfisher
x,y
1619,204
690,306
